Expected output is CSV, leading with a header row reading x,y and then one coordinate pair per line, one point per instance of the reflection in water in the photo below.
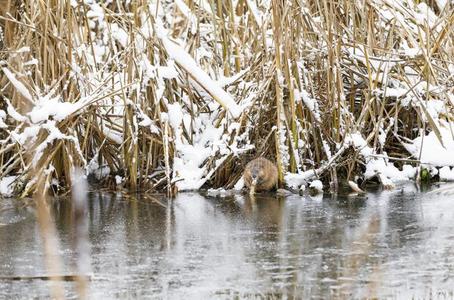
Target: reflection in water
x,y
388,244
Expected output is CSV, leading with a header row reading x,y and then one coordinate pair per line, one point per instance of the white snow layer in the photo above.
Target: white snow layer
x,y
317,185
20,87
431,150
7,186
380,166
190,169
2,119
446,174
54,108
295,180
201,77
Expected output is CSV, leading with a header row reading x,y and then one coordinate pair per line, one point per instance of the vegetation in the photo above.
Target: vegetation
x,y
94,85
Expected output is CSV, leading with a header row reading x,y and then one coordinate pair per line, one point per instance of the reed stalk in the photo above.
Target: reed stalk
x,y
312,73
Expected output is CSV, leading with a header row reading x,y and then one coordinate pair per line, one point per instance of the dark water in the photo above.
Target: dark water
x,y
391,244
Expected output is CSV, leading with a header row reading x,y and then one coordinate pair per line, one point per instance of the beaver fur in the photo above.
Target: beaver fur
x,y
264,172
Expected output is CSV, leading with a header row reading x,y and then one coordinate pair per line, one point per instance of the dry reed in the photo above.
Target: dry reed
x,y
305,73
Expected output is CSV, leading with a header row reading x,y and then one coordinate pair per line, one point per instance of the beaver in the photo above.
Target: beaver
x,y
260,175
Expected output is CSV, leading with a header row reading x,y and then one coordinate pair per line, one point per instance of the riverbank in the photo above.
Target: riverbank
x,y
180,95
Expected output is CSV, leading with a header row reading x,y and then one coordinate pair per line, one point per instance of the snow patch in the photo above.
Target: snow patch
x,y
431,150
7,186
53,108
20,87
239,184
296,180
446,174
317,185
2,119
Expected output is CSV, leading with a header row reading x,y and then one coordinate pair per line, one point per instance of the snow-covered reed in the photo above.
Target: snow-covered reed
x,y
176,95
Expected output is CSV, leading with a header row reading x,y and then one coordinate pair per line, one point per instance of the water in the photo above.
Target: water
x,y
391,244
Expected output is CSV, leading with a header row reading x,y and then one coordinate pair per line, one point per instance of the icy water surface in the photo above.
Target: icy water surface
x,y
390,244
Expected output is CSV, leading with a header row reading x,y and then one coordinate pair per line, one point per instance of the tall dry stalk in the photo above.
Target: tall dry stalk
x,y
293,80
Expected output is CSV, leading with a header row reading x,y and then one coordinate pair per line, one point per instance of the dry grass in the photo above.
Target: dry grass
x,y
315,71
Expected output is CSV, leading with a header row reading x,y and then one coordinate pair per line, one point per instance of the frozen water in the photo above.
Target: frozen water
x,y
390,244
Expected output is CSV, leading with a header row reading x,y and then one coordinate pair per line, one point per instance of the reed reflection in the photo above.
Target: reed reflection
x,y
376,245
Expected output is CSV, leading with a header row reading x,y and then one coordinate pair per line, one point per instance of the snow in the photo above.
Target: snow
x,y
95,12
310,103
209,140
169,71
54,134
183,8
317,185
255,12
283,148
431,150
20,87
29,134
357,141
446,173
190,169
119,34
53,108
7,186
295,180
387,172
13,113
201,77
23,50
31,62
93,168
442,3
394,92
175,113
2,119
147,122
239,184
102,172
118,180
112,135
435,108
409,171
412,52
189,172
380,166
224,81
426,15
